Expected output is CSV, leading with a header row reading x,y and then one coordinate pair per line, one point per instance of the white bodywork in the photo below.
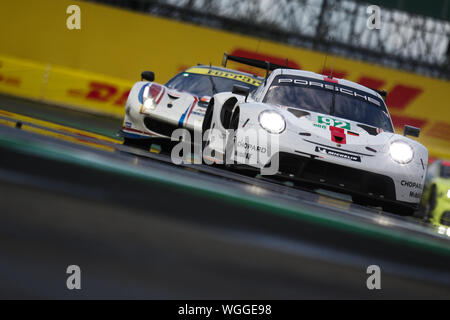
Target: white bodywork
x,y
306,136
166,109
173,107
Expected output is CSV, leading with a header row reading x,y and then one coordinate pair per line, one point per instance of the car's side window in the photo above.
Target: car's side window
x,y
257,92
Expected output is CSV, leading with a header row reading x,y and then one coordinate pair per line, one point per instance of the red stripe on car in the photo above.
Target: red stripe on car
x,y
192,108
160,97
137,131
155,89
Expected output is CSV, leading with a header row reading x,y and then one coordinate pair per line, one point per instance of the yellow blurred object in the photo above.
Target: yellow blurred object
x,y
77,89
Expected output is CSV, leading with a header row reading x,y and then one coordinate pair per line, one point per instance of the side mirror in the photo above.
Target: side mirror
x,y
411,131
241,90
148,75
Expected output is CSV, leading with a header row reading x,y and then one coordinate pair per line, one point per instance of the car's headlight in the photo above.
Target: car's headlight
x,y
150,94
401,152
272,121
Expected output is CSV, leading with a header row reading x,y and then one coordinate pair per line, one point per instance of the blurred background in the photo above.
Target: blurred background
x,y
93,68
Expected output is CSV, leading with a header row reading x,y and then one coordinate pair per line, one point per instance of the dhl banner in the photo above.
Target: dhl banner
x,y
64,86
94,67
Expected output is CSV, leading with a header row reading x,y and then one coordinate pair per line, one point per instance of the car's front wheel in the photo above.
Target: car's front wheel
x,y
207,121
433,201
136,143
231,139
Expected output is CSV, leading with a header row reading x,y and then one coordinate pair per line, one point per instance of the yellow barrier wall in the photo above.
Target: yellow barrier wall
x,y
116,45
82,90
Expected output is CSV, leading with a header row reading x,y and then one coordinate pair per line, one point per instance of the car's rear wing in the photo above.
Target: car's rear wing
x,y
268,66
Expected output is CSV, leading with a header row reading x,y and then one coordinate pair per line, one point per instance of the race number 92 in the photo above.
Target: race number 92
x,y
334,122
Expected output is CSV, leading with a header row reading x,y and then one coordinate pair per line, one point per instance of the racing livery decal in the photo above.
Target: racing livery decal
x,y
334,122
338,154
225,74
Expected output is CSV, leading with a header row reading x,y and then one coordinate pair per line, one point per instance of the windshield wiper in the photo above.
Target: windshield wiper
x,y
213,85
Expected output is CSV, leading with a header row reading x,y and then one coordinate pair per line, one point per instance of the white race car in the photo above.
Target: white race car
x,y
153,110
331,133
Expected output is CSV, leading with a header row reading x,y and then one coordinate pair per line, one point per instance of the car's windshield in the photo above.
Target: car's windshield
x,y
330,99
205,84
445,169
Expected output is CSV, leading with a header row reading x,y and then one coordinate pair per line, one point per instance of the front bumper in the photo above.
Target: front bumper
x,y
336,176
353,168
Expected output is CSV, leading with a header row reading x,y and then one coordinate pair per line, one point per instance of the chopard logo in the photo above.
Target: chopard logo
x,y
410,184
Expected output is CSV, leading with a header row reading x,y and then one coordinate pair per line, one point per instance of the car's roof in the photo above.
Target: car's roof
x,y
313,75
227,70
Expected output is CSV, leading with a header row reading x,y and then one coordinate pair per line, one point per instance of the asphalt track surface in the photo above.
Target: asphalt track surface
x,y
141,227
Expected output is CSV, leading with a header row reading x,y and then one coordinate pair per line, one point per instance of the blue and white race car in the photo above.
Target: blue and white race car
x,y
154,110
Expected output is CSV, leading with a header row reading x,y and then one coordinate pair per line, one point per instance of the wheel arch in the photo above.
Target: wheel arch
x,y
209,113
227,111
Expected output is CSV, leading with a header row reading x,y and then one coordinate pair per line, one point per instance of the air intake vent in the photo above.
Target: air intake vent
x,y
159,127
370,130
298,113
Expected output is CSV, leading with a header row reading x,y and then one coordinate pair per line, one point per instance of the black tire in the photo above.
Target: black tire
x,y
233,125
137,143
207,120
422,214
127,142
433,198
208,117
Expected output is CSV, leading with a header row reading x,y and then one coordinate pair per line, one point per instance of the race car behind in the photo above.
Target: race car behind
x,y
154,110
436,199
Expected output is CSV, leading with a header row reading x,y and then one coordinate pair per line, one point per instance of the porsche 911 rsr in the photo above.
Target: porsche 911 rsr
x,y
155,110
331,133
